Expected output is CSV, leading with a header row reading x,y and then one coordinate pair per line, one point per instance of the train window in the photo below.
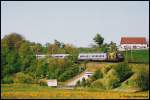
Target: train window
x,y
81,56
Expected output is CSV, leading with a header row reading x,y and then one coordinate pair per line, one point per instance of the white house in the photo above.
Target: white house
x,y
52,82
133,43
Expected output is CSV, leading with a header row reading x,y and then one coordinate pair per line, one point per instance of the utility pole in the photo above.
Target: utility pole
x,y
131,54
126,53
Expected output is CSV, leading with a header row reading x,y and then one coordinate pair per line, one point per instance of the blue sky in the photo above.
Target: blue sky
x,y
75,22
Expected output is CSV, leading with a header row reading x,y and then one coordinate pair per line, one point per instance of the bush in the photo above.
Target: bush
x,y
78,83
7,80
69,73
66,75
28,79
123,71
83,82
111,80
98,84
20,77
106,69
43,82
97,74
140,80
88,82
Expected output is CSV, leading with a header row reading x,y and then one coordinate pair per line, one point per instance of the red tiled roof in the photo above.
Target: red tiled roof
x,y
133,40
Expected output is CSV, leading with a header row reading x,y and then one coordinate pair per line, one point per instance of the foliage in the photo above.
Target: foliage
x,y
97,74
83,82
20,77
98,39
140,79
111,80
123,71
18,59
69,74
112,47
106,69
7,79
98,84
43,82
78,83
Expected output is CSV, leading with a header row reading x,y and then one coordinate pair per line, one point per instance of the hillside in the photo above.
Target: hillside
x,y
128,83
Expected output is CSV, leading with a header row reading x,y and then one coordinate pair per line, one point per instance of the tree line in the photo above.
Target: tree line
x,y
19,63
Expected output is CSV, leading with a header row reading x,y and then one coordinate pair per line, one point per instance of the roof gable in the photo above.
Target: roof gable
x,y
133,40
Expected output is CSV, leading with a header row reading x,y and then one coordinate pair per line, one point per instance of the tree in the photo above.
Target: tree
x,y
83,82
123,70
97,74
112,47
70,49
78,83
105,47
12,40
98,39
57,43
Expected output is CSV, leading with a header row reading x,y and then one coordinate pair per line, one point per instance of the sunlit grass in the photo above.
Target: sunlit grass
x,y
19,91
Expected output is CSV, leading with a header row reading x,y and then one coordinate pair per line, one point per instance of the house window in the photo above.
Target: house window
x,y
134,47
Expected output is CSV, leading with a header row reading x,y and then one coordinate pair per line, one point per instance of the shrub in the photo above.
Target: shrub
x,y
28,79
97,74
43,82
66,75
123,71
7,79
140,80
78,83
106,69
111,80
83,82
98,84
69,73
20,77
88,82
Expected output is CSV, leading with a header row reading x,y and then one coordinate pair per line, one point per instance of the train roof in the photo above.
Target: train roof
x,y
90,53
59,54
40,55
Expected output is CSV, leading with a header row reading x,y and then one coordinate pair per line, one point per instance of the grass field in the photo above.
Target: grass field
x,y
138,56
25,91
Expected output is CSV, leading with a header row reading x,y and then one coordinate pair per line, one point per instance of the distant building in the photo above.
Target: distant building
x,y
52,82
133,43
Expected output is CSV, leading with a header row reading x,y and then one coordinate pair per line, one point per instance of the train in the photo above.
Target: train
x,y
114,56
